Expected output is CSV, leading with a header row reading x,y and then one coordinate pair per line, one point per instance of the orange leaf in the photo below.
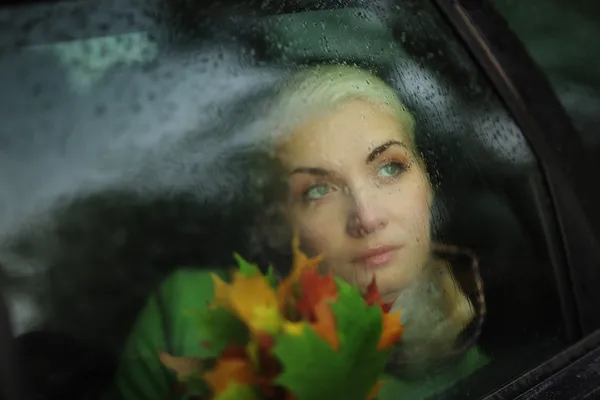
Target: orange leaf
x,y
301,260
227,371
325,325
182,366
300,263
315,288
391,332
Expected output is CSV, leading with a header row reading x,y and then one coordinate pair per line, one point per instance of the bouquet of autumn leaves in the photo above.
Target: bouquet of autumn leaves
x,y
308,337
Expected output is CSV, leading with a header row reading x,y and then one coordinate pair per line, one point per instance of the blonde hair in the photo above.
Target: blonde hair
x,y
320,89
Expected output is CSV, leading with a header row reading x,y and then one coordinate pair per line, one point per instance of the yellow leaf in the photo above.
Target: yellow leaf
x,y
266,319
255,302
294,328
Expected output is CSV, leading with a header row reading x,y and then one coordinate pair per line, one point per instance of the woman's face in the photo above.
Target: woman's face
x,y
359,196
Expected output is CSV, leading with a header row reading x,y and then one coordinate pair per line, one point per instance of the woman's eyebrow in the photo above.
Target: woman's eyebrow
x,y
310,170
380,149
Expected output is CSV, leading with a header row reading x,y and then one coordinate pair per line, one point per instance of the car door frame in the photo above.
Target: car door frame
x,y
529,96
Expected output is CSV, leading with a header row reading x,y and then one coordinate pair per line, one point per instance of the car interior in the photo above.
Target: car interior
x,y
150,172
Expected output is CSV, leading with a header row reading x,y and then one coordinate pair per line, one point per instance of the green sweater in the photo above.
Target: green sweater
x,y
141,375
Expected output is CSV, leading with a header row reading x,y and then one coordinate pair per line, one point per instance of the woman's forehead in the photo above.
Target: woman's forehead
x,y
354,127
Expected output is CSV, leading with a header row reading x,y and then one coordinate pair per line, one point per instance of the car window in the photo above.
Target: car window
x,y
137,140
560,36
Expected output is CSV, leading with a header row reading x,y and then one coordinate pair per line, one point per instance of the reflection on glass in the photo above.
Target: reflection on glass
x,y
561,38
393,159
359,195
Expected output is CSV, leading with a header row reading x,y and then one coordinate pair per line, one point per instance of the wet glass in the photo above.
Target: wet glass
x,y
132,144
561,36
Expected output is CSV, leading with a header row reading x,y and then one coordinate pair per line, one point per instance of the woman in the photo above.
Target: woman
x,y
359,195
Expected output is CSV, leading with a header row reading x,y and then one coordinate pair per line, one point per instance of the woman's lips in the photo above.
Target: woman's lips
x,y
376,257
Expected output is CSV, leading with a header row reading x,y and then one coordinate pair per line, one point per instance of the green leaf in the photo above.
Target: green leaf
x,y
218,328
235,391
246,269
271,277
312,369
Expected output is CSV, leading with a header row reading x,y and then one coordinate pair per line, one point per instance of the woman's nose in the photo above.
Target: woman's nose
x,y
365,217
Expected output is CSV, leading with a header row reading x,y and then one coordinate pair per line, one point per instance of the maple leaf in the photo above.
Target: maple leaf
x,y
245,268
259,344
392,327
236,391
233,351
271,276
313,369
194,387
300,262
266,319
228,371
255,302
252,352
373,297
374,391
269,366
222,292
182,366
325,325
221,328
294,328
314,289
391,330
189,374
252,299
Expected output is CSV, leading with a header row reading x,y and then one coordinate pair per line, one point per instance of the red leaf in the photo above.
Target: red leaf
x,y
314,289
387,307
373,297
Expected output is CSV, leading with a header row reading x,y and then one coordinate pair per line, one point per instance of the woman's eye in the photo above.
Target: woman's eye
x,y
317,192
390,170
